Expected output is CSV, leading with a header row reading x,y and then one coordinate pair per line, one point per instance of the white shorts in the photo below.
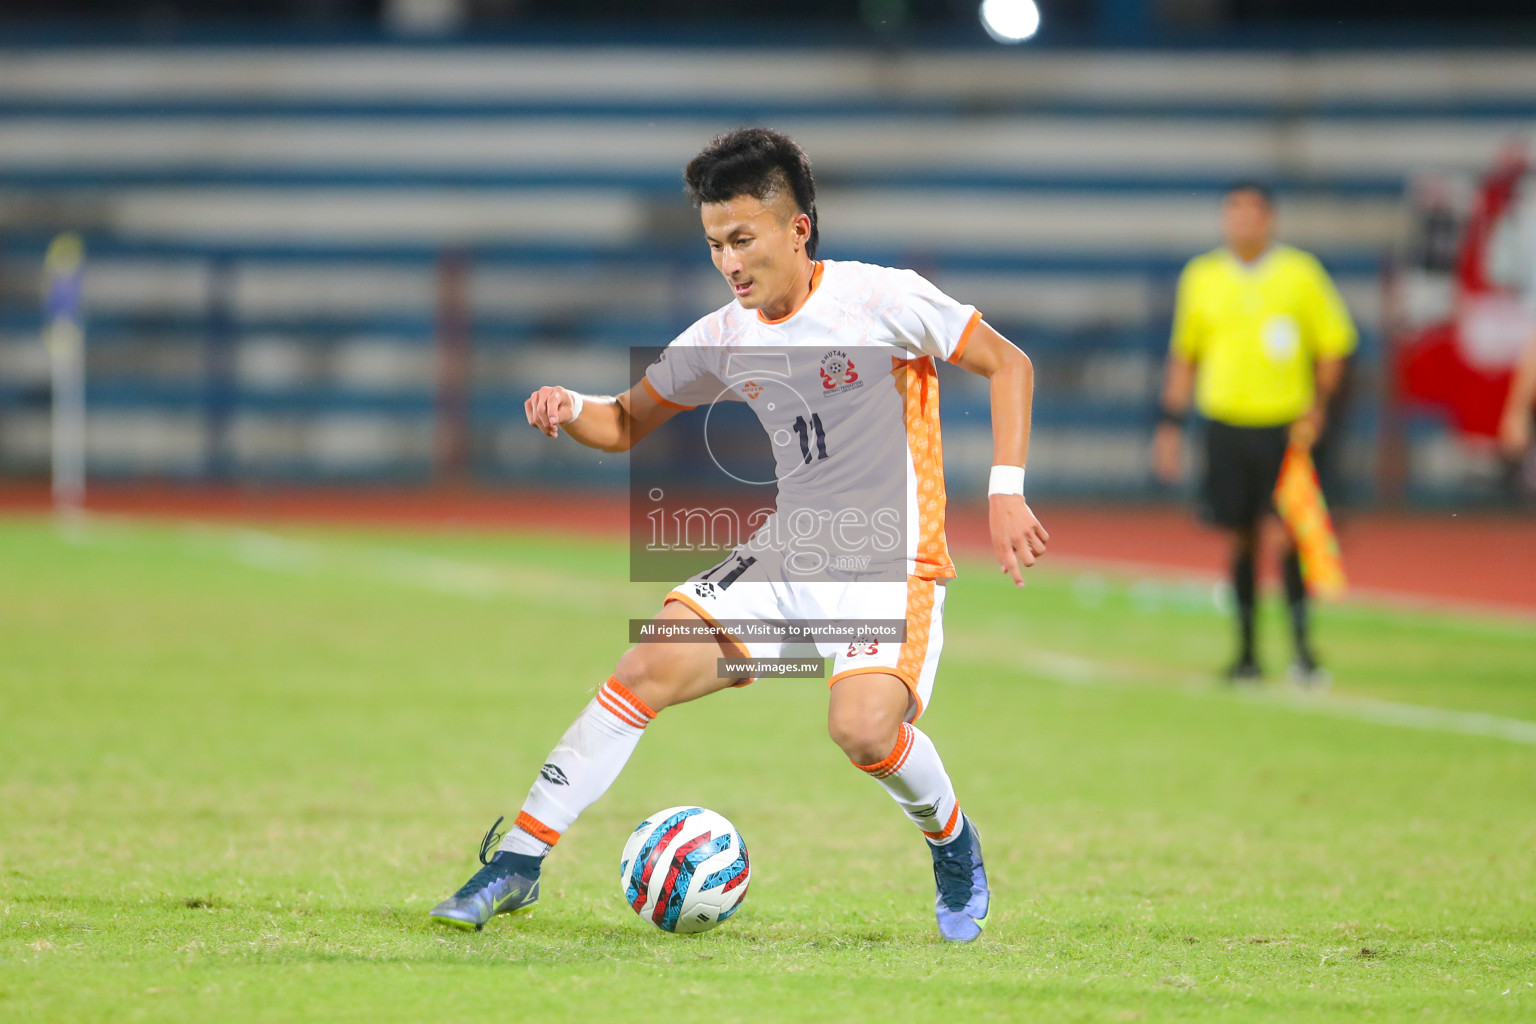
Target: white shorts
x,y
761,593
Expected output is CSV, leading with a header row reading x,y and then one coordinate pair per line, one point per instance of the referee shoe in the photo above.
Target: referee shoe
x,y
1243,672
1307,674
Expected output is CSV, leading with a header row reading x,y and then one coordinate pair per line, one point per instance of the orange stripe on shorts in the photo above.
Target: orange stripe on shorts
x,y
914,650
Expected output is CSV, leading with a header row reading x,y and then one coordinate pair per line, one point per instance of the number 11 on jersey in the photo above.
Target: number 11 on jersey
x,y
804,431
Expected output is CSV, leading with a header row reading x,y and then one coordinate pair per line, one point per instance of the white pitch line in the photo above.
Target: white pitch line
x,y
276,553
1408,716
1075,670
272,552
1359,598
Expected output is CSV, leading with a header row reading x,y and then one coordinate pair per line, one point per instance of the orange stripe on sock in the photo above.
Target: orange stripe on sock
x,y
620,711
623,692
954,819
895,759
536,828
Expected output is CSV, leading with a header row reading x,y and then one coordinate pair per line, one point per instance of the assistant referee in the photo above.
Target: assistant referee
x,y
1260,336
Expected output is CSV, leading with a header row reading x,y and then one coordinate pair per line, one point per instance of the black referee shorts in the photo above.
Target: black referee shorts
x,y
1242,465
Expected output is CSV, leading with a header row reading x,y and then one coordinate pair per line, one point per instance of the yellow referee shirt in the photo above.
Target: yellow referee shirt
x,y
1254,331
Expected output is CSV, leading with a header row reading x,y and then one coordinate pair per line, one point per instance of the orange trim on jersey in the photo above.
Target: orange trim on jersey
x,y
650,389
918,384
949,827
627,695
965,337
892,762
536,828
815,283
618,709
698,610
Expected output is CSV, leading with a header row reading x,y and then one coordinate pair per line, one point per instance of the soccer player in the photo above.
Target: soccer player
x,y
757,201
1259,339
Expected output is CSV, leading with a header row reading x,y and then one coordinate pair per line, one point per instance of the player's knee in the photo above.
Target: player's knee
x,y
865,740
652,672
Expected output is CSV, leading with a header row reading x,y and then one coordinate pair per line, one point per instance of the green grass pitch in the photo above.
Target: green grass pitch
x,y
237,768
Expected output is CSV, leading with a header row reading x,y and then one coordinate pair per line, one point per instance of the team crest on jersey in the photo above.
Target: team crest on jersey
x,y
838,373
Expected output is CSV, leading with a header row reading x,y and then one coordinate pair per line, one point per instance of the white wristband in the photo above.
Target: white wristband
x,y
1006,480
577,402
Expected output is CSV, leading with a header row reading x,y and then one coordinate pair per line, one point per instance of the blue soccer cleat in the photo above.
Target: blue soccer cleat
x,y
963,897
506,884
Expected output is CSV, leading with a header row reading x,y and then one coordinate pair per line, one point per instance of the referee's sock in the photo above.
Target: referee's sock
x,y
1243,590
1296,600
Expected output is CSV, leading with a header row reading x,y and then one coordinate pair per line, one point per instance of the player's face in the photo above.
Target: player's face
x,y
1246,221
760,249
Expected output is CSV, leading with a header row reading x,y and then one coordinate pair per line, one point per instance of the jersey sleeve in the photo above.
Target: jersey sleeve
x,y
928,322
1188,334
683,376
1329,327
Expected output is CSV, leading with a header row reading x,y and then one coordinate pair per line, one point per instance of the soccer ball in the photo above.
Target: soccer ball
x,y
685,869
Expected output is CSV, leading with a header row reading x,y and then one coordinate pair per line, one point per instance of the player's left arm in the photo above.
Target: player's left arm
x,y
1018,539
605,422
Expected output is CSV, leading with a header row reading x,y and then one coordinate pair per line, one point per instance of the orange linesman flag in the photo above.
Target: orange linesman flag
x,y
1299,500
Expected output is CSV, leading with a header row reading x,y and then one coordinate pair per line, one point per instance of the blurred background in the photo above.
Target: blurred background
x,y
337,242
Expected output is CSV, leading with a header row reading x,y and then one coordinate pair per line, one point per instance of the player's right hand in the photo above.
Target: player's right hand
x,y
1018,539
549,407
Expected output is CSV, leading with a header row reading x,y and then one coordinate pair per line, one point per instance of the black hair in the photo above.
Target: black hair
x,y
1263,190
756,162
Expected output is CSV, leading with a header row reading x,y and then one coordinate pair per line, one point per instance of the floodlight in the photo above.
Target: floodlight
x,y
1010,21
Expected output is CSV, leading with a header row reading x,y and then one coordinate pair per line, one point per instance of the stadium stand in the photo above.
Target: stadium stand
x,y
285,241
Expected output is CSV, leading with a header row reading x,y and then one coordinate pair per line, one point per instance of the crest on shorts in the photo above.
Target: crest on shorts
x,y
838,373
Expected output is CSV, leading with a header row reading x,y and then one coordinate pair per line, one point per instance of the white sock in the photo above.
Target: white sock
x,y
580,769
915,777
